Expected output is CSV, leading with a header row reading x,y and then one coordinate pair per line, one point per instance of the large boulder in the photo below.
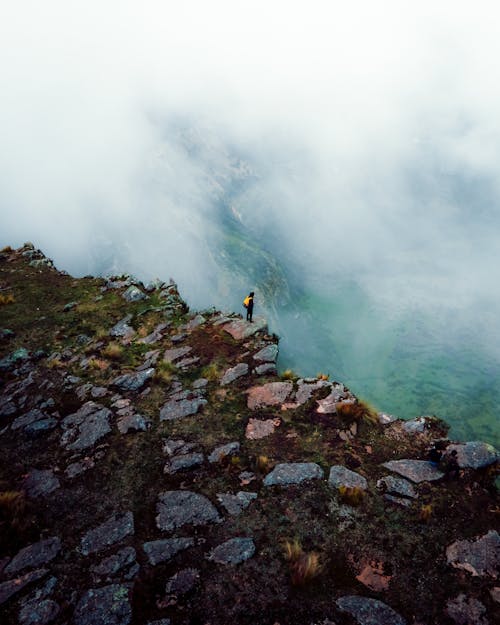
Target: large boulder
x,y
366,611
415,470
240,329
293,473
269,353
474,454
182,507
480,557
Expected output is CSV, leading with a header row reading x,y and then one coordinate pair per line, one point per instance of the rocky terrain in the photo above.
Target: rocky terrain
x,y
157,469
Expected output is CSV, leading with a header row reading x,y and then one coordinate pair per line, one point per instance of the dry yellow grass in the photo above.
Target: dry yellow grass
x,y
425,513
7,299
288,374
304,566
98,364
351,495
113,351
211,372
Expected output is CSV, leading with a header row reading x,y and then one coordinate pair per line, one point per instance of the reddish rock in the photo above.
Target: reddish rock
x,y
240,329
272,394
257,428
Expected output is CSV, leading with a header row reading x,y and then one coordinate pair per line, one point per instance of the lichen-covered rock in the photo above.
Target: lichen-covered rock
x,y
415,470
162,550
38,612
222,451
480,557
34,555
341,476
109,605
182,507
40,483
235,504
133,381
293,473
233,551
240,329
115,529
271,394
466,611
366,611
397,486
260,428
132,423
179,408
85,427
474,454
114,564
234,373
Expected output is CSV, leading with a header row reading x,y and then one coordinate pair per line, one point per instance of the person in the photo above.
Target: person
x,y
452,470
435,455
248,304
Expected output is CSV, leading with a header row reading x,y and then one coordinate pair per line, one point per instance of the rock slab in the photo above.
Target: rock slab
x,y
341,476
366,611
415,470
479,557
293,473
115,529
271,394
181,507
233,551
162,550
34,555
474,454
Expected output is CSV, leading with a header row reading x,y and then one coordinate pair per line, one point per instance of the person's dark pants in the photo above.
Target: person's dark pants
x,y
249,313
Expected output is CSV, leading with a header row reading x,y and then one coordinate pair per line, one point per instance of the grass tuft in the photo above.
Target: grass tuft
x,y
289,374
351,495
357,411
211,372
165,372
425,513
7,299
113,351
304,566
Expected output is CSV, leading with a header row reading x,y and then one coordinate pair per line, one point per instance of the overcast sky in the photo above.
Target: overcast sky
x,y
374,128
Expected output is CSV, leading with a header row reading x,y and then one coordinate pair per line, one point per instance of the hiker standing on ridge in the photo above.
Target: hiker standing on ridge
x,y
248,304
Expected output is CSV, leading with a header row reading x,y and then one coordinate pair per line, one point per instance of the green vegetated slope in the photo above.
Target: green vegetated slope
x,y
133,427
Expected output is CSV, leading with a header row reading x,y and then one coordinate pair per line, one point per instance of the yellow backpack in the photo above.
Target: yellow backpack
x,y
246,301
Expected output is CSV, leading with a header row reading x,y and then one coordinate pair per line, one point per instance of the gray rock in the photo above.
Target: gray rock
x,y
40,483
233,551
293,473
414,426
415,470
13,586
474,454
235,504
34,555
155,335
115,529
220,452
341,476
234,373
178,338
200,383
385,418
267,354
480,557
177,447
267,368
7,407
179,408
85,427
195,322
398,501
182,462
366,611
181,507
328,405
397,486
240,329
186,363
182,582
38,612
76,468
98,391
18,356
28,418
133,294
133,381
122,328
40,427
112,565
154,285
69,306
171,355
162,550
134,422
109,605
466,611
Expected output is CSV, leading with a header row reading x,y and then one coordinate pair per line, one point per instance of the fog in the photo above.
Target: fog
x,y
356,141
